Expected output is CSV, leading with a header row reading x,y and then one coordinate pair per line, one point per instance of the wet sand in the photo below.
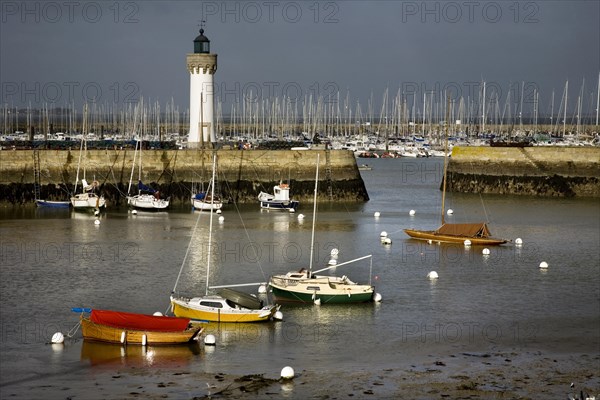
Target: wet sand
x,y
485,375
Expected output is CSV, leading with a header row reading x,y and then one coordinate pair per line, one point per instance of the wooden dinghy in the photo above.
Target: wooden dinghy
x,y
131,328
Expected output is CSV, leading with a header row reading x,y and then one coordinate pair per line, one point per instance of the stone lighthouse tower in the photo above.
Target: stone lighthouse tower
x,y
201,65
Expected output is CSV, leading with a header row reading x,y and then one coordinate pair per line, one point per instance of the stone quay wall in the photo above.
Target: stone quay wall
x,y
241,174
537,171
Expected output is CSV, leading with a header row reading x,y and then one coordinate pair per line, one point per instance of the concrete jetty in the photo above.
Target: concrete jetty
x,y
241,174
537,171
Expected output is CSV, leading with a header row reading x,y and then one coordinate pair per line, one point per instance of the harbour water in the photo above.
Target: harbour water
x,y
52,260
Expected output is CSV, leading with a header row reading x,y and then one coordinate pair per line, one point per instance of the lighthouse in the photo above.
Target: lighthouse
x,y
201,65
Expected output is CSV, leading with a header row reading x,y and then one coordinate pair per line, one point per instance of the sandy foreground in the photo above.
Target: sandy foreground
x,y
493,375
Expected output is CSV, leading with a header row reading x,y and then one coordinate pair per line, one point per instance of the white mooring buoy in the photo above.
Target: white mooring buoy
x,y
467,242
377,214
334,252
543,265
450,211
432,275
221,218
210,340
158,314
518,241
262,289
58,338
278,316
133,212
97,222
377,297
485,252
287,373
386,241
300,216
383,234
411,212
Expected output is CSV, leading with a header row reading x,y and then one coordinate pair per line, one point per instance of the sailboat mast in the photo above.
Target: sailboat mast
x,y
598,100
132,168
483,110
445,161
565,110
212,199
312,238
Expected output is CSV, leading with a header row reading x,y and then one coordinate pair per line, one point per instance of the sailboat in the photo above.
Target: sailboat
x,y
477,233
204,200
88,199
305,286
37,187
229,305
147,198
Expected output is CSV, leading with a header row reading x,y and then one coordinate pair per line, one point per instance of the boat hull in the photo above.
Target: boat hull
x,y
279,205
188,309
436,237
201,205
87,201
53,204
309,290
147,202
104,333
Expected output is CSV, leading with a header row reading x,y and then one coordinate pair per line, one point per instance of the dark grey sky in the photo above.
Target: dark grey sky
x,y
116,51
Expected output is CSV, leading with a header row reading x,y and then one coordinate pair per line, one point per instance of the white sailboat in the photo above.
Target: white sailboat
x,y
206,201
305,286
229,305
147,198
88,199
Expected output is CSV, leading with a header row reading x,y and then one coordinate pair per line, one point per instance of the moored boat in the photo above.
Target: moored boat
x,y
147,199
218,308
132,328
305,286
88,199
52,203
477,234
205,202
299,287
279,200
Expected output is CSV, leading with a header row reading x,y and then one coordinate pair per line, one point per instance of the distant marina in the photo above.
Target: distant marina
x,y
400,122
